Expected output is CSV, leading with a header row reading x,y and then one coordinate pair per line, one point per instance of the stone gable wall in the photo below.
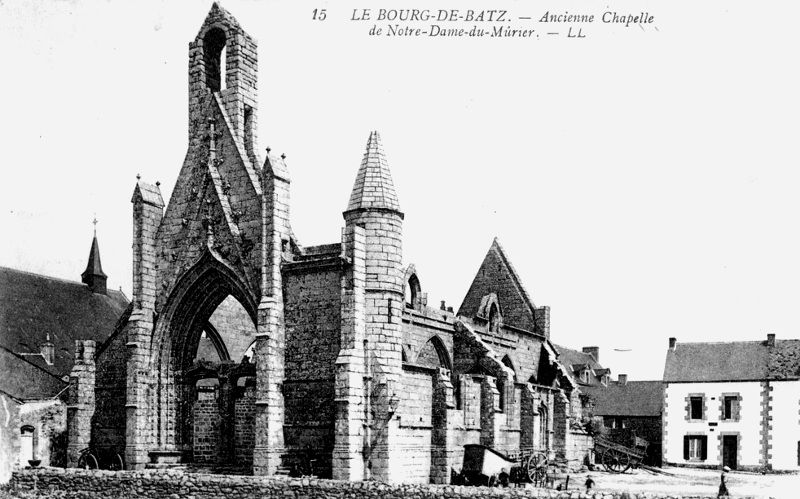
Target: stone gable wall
x,y
494,277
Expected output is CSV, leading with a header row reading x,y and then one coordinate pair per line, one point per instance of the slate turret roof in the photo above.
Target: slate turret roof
x,y
373,188
93,266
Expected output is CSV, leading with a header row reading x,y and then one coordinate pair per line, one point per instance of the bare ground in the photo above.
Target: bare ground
x,y
693,482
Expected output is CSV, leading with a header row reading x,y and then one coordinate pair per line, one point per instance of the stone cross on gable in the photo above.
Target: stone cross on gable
x,y
212,134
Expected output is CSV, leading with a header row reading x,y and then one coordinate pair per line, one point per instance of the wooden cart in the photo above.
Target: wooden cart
x,y
618,458
483,465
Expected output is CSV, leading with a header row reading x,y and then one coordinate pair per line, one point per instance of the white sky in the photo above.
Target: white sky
x,y
642,180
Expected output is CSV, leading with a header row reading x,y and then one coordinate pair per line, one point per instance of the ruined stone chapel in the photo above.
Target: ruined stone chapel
x,y
241,348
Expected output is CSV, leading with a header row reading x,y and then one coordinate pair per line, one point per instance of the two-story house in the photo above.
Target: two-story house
x,y
732,404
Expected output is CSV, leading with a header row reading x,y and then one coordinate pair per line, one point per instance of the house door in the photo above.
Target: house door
x,y
26,445
730,444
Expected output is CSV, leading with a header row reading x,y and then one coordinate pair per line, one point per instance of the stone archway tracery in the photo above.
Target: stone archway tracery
x,y
187,310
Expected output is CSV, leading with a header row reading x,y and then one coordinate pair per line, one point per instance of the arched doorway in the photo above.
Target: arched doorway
x,y
209,321
26,445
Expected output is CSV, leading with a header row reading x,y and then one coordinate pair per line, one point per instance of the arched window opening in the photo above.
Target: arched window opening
x,y
434,354
502,384
213,48
412,292
244,384
26,445
542,428
249,354
207,388
223,66
229,334
494,318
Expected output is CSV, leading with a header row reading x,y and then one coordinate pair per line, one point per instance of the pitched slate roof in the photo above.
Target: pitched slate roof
x,y
575,361
373,187
732,361
33,306
635,398
23,380
149,193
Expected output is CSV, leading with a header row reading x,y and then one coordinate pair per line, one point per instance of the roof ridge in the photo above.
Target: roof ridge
x,y
22,358
53,278
719,342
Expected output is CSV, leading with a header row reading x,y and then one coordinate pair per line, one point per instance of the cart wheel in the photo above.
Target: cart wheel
x,y
536,467
616,461
116,463
87,462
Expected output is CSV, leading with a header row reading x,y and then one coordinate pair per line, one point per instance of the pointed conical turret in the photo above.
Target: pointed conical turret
x,y
373,188
373,210
94,276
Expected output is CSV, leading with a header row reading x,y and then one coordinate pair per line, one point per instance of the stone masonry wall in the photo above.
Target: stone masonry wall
x,y
108,425
312,314
416,397
49,420
313,320
416,403
245,429
206,428
151,484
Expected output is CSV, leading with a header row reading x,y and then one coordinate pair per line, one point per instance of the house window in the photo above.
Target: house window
x,y
695,447
614,422
695,407
730,406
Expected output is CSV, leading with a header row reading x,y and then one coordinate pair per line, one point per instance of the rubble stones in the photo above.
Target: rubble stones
x,y
176,484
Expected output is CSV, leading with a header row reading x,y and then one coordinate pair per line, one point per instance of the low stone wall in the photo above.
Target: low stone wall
x,y
173,484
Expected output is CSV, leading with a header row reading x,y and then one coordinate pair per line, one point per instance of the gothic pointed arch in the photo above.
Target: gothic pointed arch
x,y
509,364
434,353
196,295
194,298
412,288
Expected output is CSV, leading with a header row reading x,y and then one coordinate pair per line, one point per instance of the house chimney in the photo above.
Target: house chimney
x,y
623,379
593,351
48,350
672,343
443,306
771,340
